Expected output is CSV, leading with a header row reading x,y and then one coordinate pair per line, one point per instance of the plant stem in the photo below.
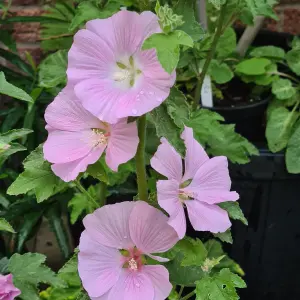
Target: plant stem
x,y
102,195
140,160
188,296
6,9
85,192
285,75
209,57
180,291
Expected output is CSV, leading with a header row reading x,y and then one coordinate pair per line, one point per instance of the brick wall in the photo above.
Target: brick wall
x,y
27,34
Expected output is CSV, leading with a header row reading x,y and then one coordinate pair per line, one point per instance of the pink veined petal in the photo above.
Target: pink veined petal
x,y
167,161
67,146
89,57
122,144
158,258
103,297
132,286
109,225
66,113
159,276
69,171
149,229
195,154
206,217
99,266
211,183
168,199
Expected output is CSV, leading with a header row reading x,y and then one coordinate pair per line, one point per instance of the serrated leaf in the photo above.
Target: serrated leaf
x,y
220,72
292,156
98,171
262,8
5,226
234,211
52,70
279,127
271,52
224,236
226,44
167,47
293,60
253,66
177,107
165,127
28,271
217,3
283,89
220,139
7,137
10,150
10,90
37,176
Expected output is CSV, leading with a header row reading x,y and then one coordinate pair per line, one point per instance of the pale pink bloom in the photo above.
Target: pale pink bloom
x,y
113,77
7,289
110,274
76,138
205,183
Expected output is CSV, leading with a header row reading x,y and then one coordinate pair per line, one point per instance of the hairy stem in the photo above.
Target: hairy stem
x,y
210,56
180,291
188,296
102,194
140,160
85,192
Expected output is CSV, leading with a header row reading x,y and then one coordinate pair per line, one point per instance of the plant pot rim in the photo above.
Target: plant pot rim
x,y
241,107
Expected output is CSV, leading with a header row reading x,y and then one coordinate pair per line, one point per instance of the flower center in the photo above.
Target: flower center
x,y
101,137
184,196
125,74
133,259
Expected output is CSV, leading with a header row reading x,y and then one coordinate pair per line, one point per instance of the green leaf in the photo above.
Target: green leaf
x,y
83,296
165,127
292,156
186,9
167,47
3,265
177,107
28,271
225,236
80,203
7,137
52,70
220,139
30,19
38,177
234,211
220,72
262,8
253,66
280,122
221,286
271,52
5,226
226,44
296,43
217,3
12,91
98,171
283,89
293,60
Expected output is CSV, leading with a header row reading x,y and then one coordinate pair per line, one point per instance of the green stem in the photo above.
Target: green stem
x,y
209,57
284,75
85,192
180,291
188,296
102,195
6,9
140,160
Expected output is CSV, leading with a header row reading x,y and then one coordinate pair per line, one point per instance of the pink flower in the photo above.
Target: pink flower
x,y
113,77
7,289
76,138
205,183
112,249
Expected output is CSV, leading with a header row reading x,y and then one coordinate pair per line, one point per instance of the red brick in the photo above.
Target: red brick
x,y
291,20
271,25
289,1
35,52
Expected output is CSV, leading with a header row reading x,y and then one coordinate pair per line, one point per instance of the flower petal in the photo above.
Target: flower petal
x,y
122,144
67,146
211,183
109,225
149,229
167,195
167,161
158,258
99,266
195,154
67,113
132,286
206,217
69,171
159,276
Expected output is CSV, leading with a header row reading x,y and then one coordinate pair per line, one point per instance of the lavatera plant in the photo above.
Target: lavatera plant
x,y
121,96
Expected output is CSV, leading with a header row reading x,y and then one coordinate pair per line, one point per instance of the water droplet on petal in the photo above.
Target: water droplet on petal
x,y
138,98
137,285
151,93
125,236
142,92
134,111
